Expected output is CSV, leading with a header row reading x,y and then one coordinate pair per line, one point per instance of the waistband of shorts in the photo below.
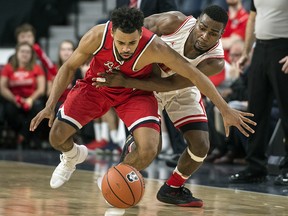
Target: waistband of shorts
x,y
273,41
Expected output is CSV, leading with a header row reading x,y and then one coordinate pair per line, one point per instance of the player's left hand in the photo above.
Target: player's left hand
x,y
238,119
284,61
113,79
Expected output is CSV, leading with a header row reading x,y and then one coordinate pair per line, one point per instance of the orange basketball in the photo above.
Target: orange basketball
x,y
123,186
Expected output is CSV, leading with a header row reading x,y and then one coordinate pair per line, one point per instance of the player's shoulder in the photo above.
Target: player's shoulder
x,y
91,40
95,32
173,18
157,47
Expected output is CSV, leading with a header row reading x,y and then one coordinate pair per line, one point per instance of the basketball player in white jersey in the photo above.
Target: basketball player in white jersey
x,y
198,40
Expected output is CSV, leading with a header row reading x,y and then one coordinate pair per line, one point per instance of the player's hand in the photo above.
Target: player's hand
x,y
113,79
284,61
239,119
45,113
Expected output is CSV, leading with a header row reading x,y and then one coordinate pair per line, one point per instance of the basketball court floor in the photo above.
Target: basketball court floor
x,y
25,190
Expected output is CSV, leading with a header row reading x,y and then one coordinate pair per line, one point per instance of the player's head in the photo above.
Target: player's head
x,y
25,33
209,27
126,30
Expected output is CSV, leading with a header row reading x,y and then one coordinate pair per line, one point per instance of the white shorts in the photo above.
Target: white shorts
x,y
183,106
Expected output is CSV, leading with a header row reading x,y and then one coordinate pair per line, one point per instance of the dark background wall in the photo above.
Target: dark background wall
x,y
40,13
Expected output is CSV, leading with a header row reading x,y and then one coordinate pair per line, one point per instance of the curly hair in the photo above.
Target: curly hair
x,y
216,13
128,20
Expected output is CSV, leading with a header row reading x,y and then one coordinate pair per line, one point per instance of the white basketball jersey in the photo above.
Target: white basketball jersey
x,y
177,42
184,106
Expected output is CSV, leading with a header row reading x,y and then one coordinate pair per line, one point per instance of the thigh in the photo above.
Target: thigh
x,y
138,111
83,104
196,137
186,107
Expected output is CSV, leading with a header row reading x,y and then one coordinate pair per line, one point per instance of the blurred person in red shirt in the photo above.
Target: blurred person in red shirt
x,y
22,85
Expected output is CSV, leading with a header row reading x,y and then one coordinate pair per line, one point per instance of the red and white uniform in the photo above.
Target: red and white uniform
x,y
135,107
22,82
185,105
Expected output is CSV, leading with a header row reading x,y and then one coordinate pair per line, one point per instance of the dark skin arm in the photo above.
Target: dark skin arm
x,y
155,82
164,23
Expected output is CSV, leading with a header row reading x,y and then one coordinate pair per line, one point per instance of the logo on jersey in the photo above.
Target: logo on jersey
x,y
132,177
110,67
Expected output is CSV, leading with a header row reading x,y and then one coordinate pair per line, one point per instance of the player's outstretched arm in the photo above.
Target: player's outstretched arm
x,y
162,53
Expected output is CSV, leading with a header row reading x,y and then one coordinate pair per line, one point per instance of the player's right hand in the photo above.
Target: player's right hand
x,y
45,113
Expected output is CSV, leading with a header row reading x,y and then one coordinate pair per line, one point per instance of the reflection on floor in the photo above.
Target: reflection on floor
x,y
209,174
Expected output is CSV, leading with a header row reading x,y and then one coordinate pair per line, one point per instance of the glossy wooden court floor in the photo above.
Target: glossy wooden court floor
x,y
25,191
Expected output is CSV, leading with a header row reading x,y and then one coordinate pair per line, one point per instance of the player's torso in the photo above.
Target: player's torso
x,y
105,59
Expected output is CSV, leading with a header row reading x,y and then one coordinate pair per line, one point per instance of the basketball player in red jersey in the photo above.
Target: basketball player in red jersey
x,y
120,44
199,42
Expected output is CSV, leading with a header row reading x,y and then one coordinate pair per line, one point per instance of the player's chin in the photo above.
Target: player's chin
x,y
200,48
126,56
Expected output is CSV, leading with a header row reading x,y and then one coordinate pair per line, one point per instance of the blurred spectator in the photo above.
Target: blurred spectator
x,y
267,79
27,33
235,29
22,86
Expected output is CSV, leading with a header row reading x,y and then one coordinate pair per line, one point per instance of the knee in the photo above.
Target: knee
x,y
199,146
149,149
57,136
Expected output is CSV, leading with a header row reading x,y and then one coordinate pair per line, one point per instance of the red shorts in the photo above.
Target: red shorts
x,y
85,103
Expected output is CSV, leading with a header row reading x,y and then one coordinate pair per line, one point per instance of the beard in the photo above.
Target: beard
x,y
123,59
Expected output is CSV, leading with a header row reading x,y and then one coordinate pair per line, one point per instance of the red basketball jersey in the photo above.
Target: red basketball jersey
x,y
105,60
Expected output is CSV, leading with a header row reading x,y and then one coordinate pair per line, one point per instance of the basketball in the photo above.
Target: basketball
x,y
122,186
